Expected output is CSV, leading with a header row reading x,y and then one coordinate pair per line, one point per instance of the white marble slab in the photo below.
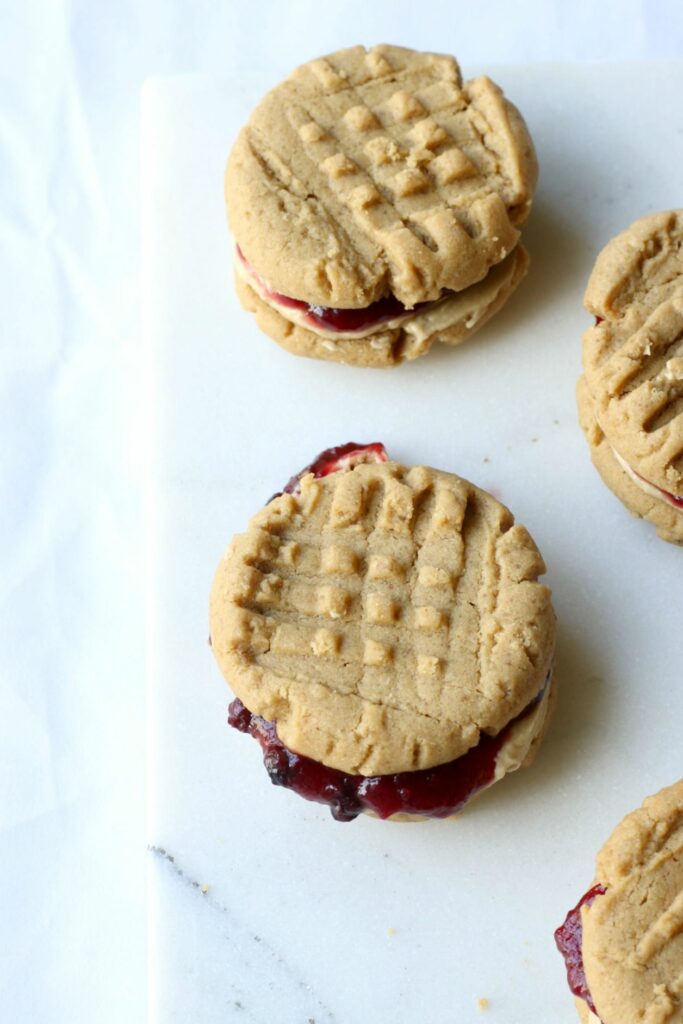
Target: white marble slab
x,y
263,908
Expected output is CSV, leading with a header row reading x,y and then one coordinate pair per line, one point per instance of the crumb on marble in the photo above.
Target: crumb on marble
x,y
391,932
486,459
483,1003
204,889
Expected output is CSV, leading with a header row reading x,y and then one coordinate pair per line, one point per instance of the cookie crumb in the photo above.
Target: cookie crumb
x,y
391,932
204,889
483,1004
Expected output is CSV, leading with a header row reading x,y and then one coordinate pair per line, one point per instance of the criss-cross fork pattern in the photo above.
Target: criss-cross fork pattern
x,y
391,588
401,159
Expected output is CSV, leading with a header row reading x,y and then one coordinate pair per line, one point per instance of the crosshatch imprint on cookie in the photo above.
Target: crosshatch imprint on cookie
x,y
663,929
383,617
384,572
437,162
410,174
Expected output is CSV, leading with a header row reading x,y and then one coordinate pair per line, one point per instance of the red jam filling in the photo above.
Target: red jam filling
x,y
431,792
346,321
334,459
569,938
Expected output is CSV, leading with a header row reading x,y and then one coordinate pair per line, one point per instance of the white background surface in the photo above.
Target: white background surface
x,y
372,921
74,418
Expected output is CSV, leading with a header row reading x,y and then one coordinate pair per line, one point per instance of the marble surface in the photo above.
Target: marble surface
x,y
76,414
262,907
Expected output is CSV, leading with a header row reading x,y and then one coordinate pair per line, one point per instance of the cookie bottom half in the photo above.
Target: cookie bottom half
x,y
440,792
449,321
667,519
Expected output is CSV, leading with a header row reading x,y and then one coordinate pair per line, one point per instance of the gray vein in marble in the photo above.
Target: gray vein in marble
x,y
264,948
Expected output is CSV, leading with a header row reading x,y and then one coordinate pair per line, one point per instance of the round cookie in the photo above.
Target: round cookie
x,y
387,620
450,321
632,931
631,394
377,173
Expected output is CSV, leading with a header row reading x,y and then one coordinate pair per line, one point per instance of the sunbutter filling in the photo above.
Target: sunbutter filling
x,y
569,941
434,792
386,312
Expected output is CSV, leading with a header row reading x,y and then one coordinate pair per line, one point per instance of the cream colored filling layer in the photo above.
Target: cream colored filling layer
x,y
467,307
513,752
644,486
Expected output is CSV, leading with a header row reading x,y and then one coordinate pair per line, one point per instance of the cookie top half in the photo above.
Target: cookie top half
x,y
375,172
633,357
383,617
633,934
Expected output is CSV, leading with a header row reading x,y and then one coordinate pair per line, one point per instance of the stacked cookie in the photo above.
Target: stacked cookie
x,y
375,200
390,621
630,396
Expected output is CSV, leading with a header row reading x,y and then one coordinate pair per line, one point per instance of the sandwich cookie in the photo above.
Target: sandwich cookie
x,y
375,200
623,942
386,636
630,397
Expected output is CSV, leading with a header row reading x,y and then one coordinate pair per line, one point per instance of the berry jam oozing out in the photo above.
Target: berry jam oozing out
x,y
431,792
346,321
569,939
334,459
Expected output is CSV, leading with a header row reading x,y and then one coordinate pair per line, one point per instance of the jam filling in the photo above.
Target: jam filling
x,y
334,459
431,792
569,938
328,318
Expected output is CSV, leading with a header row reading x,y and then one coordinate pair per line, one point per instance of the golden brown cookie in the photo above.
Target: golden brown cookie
x,y
631,929
631,394
387,620
375,175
